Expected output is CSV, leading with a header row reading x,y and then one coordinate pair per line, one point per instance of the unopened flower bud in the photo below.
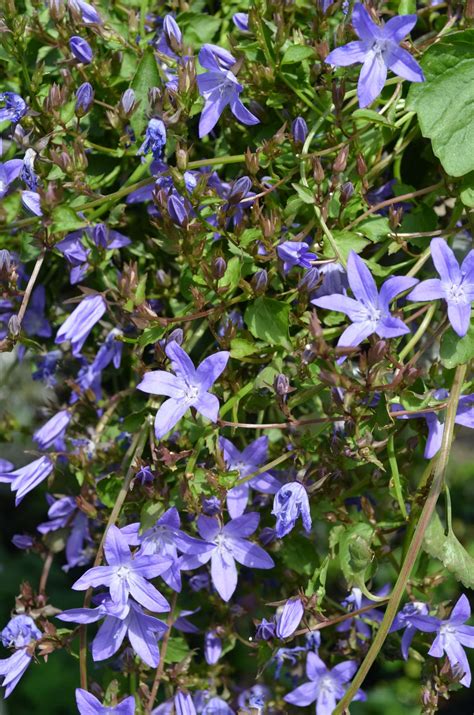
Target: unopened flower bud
x,y
81,49
251,162
127,102
56,9
218,267
5,263
299,129
395,215
338,92
177,210
162,278
340,161
281,385
14,327
361,165
318,171
240,189
347,190
181,159
84,99
310,280
259,281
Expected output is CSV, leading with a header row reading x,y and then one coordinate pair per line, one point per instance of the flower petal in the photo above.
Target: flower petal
x,y
403,64
224,574
349,54
371,79
169,415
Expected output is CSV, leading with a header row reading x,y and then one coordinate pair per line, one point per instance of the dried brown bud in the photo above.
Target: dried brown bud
x,y
361,165
318,171
340,161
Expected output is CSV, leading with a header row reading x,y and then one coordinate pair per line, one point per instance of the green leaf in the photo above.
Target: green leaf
x,y
268,320
305,193
150,512
108,490
65,219
297,53
407,7
299,555
240,348
177,650
355,553
447,549
348,241
467,190
198,28
454,350
146,76
444,103
231,277
369,115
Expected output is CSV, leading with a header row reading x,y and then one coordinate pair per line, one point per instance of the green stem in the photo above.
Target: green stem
x,y
392,460
415,546
329,237
419,333
134,452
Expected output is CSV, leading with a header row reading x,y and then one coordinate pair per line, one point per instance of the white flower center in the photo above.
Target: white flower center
x,y
191,393
455,293
325,684
447,630
123,572
380,47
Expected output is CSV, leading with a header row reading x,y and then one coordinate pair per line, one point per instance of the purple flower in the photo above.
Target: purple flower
x,y
295,253
87,704
166,538
230,545
241,21
155,139
19,632
451,636
126,575
355,601
455,285
217,706
22,541
325,686
219,87
9,171
5,466
54,429
334,280
31,200
46,367
378,51
290,502
212,647
84,98
64,514
128,100
370,311
289,619
325,4
265,630
403,619
28,175
81,49
299,129
183,704
171,38
143,631
464,416
26,478
87,11
15,107
188,388
35,322
285,655
245,463
80,322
